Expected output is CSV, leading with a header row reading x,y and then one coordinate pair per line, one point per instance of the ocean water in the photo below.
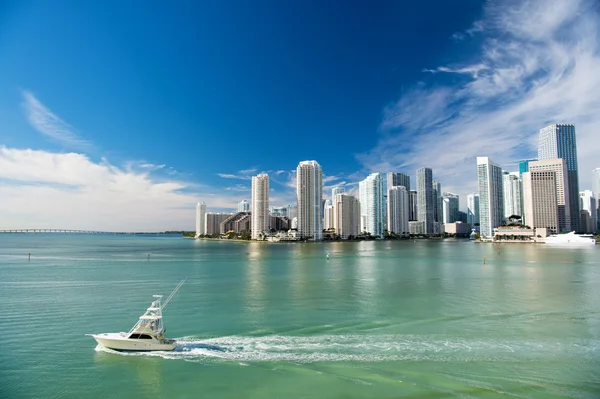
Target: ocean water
x,y
424,319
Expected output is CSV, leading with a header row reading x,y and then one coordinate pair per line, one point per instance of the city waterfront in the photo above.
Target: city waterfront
x,y
378,319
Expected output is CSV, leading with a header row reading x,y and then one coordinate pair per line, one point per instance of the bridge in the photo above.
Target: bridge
x,y
61,231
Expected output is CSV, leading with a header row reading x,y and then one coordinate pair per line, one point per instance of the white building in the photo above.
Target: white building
x,y
398,211
425,200
335,191
588,208
539,197
328,215
450,208
559,167
491,201
512,195
371,204
346,216
200,219
243,206
559,141
473,209
309,193
260,206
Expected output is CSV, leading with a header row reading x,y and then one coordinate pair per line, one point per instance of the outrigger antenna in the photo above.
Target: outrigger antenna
x,y
173,293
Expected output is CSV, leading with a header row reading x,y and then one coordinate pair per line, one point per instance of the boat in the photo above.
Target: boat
x,y
570,240
148,334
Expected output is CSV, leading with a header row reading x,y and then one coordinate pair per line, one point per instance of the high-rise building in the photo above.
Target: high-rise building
x,y
398,210
412,205
213,222
243,206
200,219
473,209
371,204
512,195
328,215
559,167
539,197
260,206
425,201
596,192
559,141
398,179
524,167
588,208
438,208
346,216
337,190
450,208
491,201
239,222
309,193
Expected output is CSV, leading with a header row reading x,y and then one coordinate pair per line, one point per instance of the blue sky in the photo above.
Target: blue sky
x,y
122,116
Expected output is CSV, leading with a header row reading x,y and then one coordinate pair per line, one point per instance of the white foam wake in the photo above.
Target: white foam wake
x,y
366,348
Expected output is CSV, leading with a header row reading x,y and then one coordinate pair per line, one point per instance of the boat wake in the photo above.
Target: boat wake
x,y
366,348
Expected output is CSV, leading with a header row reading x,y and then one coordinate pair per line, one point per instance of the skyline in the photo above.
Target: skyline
x,y
105,137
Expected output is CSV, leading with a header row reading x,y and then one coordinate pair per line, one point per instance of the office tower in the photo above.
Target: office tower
x,y
200,219
539,197
213,222
260,206
412,204
559,167
524,167
588,207
559,141
438,210
425,202
596,192
491,201
473,209
450,208
328,215
336,190
512,195
309,193
398,179
398,210
243,206
346,216
371,204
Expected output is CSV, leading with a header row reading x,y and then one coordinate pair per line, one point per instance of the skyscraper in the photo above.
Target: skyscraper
x,y
412,204
243,206
438,207
425,203
328,215
589,207
559,141
491,201
450,208
200,219
473,209
337,190
524,167
512,195
559,167
596,192
371,204
346,216
539,196
260,205
398,210
398,179
309,193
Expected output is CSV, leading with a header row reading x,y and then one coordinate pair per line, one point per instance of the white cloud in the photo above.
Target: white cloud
x,y
232,176
538,64
47,123
41,189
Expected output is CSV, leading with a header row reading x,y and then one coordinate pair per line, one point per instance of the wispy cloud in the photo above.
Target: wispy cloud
x,y
537,65
232,176
49,124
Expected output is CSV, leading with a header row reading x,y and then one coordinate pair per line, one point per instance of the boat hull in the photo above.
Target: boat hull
x,y
122,343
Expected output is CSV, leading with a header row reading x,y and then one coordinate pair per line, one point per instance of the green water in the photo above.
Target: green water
x,y
421,319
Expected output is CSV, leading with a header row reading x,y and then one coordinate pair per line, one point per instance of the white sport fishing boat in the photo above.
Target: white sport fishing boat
x,y
147,334
570,240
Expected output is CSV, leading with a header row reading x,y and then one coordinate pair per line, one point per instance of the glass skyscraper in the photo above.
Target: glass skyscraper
x,y
491,198
425,202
